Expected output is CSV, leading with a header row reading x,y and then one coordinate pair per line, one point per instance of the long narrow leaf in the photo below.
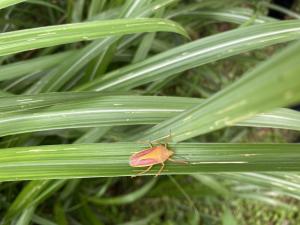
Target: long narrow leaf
x,y
30,66
110,111
124,199
236,15
98,160
18,41
6,3
279,118
25,102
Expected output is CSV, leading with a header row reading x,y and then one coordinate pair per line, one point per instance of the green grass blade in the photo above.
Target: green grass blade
x,y
6,3
268,200
53,187
31,195
197,53
124,199
114,110
279,118
146,43
107,159
77,11
147,220
92,136
18,117
235,15
276,181
213,184
89,216
25,218
47,4
23,40
60,214
27,102
95,7
42,221
35,65
281,9
24,199
274,83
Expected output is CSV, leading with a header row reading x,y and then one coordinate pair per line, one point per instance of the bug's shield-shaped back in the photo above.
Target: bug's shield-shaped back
x,y
138,159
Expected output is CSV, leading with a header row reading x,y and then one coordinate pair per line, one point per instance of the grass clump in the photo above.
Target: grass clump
x,y
86,83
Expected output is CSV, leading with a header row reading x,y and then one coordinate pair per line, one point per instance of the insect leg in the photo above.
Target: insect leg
x,y
170,135
150,144
146,142
160,170
145,171
167,139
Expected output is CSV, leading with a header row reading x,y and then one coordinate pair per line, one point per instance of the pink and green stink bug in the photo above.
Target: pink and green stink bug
x,y
152,156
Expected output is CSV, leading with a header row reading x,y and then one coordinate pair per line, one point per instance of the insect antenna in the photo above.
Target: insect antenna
x,y
184,161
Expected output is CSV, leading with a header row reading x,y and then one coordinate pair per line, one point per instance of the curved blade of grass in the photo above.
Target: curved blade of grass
x,y
48,191
42,221
88,215
25,218
107,159
92,136
30,66
213,184
197,53
47,4
124,199
60,214
281,9
278,181
32,195
279,118
101,112
147,220
111,111
6,3
235,15
196,217
23,40
26,196
270,200
274,83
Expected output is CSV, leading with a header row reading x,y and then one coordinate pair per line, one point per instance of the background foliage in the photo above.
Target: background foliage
x,y
86,83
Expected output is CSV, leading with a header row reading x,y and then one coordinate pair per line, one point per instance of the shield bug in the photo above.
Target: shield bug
x,y
152,156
